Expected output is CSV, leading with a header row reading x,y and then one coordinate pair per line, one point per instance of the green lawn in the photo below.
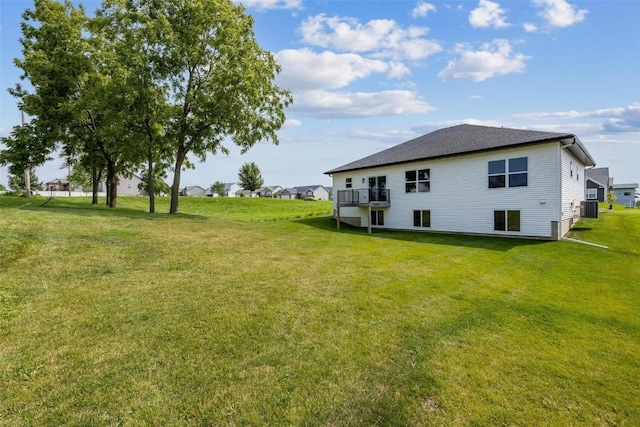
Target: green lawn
x,y
236,313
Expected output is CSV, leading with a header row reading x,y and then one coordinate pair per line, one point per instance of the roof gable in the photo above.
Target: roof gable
x,y
463,139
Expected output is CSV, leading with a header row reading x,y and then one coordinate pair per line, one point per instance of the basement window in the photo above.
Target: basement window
x,y
506,220
422,219
377,217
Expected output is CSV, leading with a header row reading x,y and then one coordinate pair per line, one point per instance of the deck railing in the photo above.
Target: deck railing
x,y
363,196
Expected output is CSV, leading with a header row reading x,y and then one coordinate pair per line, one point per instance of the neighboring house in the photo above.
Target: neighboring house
x,y
598,183
192,190
319,192
232,188
468,179
288,193
625,194
330,190
269,191
245,193
129,186
58,185
126,186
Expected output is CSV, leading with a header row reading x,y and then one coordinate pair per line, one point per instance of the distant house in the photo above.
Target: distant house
x,y
319,192
269,191
231,189
598,183
468,179
58,185
129,186
192,190
625,194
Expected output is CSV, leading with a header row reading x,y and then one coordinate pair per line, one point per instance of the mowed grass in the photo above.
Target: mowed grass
x,y
211,317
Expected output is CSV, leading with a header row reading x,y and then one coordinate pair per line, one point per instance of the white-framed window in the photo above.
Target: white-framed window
x,y
517,173
418,181
348,183
592,193
422,219
129,186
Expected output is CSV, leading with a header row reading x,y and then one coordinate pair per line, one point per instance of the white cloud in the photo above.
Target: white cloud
x,y
488,14
306,70
326,104
271,4
529,27
382,38
422,9
560,13
631,112
493,59
615,120
292,123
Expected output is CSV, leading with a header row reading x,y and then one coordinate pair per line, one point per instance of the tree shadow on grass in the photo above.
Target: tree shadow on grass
x,y
66,207
500,244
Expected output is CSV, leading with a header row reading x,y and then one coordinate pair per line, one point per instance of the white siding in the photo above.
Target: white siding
x,y
573,188
460,200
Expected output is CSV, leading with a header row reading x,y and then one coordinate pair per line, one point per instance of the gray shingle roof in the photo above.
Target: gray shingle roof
x,y
463,139
599,175
624,186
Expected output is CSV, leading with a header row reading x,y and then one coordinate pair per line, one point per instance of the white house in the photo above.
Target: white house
x,y
468,179
231,189
318,192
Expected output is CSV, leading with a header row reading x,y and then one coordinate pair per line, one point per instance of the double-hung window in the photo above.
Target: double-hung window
x,y
497,173
516,175
422,218
347,183
518,172
418,181
592,193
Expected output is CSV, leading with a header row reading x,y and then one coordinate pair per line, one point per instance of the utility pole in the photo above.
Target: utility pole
x,y
27,173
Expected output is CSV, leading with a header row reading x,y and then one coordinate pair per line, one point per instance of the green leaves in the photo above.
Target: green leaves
x,y
250,177
145,81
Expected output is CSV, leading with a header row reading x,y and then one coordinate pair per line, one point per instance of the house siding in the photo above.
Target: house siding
x,y
628,200
460,200
129,186
573,189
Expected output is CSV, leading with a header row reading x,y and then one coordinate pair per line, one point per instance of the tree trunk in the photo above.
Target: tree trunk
x,y
175,186
150,186
27,182
95,184
112,185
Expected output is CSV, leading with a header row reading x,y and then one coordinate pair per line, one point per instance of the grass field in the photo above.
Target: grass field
x,y
258,312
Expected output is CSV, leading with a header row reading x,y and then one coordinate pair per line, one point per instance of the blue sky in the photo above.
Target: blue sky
x,y
366,75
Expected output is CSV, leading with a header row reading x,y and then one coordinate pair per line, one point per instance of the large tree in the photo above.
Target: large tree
x,y
133,33
17,182
79,101
250,177
23,153
220,80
